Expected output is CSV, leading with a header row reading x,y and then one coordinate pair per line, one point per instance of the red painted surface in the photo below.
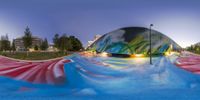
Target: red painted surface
x,y
189,62
44,72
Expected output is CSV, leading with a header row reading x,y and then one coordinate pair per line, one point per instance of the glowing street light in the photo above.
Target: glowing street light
x,y
137,55
104,54
150,44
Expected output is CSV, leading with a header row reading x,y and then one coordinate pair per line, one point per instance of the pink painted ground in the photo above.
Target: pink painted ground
x,y
189,62
44,72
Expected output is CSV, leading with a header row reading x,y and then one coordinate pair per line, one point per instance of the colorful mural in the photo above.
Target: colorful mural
x,y
133,40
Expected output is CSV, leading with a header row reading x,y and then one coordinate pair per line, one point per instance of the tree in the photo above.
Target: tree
x,y
27,39
64,43
36,48
44,45
194,48
5,43
76,44
13,46
56,40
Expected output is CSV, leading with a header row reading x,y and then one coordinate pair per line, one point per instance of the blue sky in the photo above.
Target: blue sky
x,y
178,19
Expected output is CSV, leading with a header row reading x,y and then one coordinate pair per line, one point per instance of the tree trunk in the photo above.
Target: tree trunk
x,y
27,53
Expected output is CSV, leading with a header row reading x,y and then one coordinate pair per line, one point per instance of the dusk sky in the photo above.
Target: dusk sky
x,y
178,19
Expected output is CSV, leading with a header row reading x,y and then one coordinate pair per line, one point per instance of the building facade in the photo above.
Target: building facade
x,y
96,37
51,48
19,44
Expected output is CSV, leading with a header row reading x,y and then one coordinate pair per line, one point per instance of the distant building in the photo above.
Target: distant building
x,y
19,44
96,37
51,48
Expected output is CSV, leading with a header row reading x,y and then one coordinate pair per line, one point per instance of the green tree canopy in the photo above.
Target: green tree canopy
x,y
64,43
44,45
4,43
36,47
27,38
56,40
13,46
194,48
76,44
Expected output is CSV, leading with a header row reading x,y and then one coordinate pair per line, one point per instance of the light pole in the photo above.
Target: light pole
x,y
150,44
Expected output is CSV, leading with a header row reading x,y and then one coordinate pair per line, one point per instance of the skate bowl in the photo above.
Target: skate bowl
x,y
81,77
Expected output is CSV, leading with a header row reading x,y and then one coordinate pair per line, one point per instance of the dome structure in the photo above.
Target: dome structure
x,y
133,40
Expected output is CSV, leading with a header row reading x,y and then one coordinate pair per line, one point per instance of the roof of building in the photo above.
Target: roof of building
x,y
133,40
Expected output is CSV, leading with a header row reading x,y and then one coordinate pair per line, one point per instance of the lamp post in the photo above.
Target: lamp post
x,y
150,44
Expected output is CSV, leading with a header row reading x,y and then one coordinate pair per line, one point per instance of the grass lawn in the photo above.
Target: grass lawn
x,y
33,55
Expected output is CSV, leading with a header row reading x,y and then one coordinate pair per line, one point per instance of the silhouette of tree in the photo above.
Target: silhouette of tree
x,y
56,40
27,38
13,46
44,44
76,44
4,43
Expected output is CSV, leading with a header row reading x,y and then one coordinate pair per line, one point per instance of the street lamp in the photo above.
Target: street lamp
x,y
150,44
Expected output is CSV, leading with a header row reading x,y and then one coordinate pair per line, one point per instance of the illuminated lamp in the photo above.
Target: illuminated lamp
x,y
137,55
104,54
